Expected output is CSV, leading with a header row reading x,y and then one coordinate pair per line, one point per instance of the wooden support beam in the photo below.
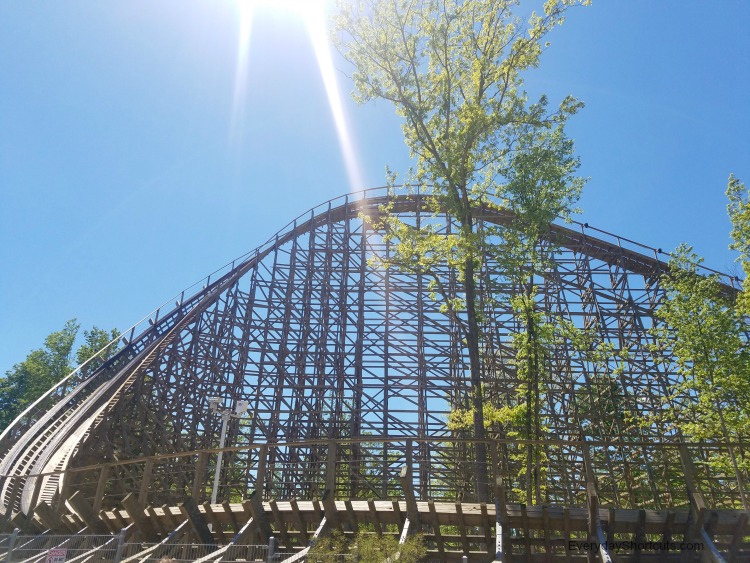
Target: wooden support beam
x,y
545,521
489,545
329,505
135,512
197,492
280,523
436,529
145,483
412,512
156,522
462,528
567,530
374,518
301,555
351,519
25,524
172,521
502,529
87,514
301,524
49,518
526,532
254,505
668,525
197,521
232,519
211,519
737,535
101,487
260,477
595,525
640,535
331,468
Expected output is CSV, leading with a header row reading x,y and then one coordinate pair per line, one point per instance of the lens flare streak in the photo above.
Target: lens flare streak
x,y
317,30
315,22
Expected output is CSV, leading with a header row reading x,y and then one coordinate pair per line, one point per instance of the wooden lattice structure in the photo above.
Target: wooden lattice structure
x,y
350,371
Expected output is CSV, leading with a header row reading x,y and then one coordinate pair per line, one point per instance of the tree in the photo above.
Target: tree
x,y
367,548
706,337
453,69
739,214
95,349
43,368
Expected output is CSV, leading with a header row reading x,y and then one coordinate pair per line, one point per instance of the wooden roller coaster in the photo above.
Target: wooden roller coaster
x,y
350,372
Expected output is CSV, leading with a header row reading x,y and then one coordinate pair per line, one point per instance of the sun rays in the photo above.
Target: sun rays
x,y
313,12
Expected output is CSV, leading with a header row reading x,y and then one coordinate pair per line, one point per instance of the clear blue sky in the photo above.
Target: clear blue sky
x,y
128,169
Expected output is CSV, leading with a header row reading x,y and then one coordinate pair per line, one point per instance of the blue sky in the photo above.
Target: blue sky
x,y
128,170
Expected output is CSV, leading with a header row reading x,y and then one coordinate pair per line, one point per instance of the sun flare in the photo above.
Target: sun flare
x,y
314,14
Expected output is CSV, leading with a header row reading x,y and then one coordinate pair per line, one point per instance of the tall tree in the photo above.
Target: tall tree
x,y
738,209
454,71
706,337
43,368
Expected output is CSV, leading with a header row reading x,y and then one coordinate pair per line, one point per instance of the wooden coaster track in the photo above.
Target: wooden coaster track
x,y
350,371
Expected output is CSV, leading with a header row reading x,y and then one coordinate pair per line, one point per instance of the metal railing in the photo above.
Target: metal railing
x,y
17,547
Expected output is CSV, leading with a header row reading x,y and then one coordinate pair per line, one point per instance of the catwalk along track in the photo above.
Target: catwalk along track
x,y
350,372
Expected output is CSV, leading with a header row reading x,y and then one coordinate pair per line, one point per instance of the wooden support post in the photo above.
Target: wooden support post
x,y
595,526
49,518
199,481
502,529
211,518
487,525
462,528
351,519
255,506
566,529
87,514
436,530
101,487
329,506
374,518
230,515
280,523
260,478
301,525
193,513
331,468
131,506
737,535
412,512
145,483
26,525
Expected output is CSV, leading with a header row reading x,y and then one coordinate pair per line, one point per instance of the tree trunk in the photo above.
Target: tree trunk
x,y
472,342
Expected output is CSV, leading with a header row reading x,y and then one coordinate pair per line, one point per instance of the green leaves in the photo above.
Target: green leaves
x,y
739,214
453,70
707,337
43,368
367,548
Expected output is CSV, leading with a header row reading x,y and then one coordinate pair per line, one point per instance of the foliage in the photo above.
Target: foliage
x,y
367,548
522,417
739,214
453,69
43,368
707,338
